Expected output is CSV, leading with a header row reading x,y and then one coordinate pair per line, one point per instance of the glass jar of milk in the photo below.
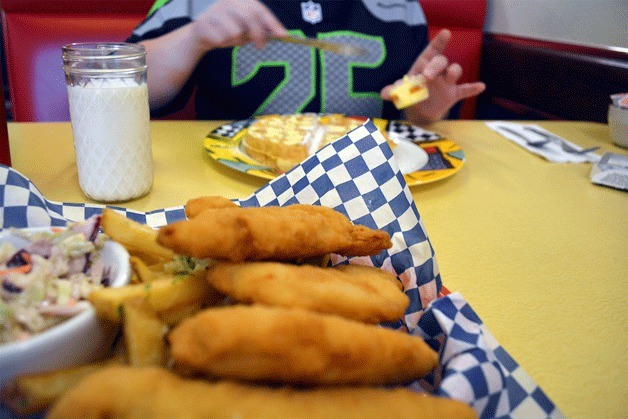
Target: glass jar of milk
x,y
110,118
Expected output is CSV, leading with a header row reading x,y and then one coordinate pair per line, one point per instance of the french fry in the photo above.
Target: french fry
x,y
34,393
162,295
174,316
140,240
144,334
142,271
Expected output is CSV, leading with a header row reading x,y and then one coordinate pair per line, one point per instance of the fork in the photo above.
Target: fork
x,y
566,147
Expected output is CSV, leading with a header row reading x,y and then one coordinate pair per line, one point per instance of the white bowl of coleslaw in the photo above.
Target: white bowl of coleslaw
x,y
79,336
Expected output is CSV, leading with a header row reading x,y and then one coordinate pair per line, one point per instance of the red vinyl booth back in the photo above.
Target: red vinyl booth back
x,y
465,19
5,151
34,32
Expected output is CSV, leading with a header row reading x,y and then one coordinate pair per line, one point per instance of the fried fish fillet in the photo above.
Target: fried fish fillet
x,y
294,232
197,205
276,344
362,293
125,392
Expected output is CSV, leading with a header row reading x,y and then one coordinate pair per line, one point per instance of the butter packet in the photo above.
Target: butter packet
x,y
409,91
611,171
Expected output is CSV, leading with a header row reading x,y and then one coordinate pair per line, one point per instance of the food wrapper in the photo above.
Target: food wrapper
x,y
358,176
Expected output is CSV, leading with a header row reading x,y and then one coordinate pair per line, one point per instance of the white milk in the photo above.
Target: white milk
x,y
110,124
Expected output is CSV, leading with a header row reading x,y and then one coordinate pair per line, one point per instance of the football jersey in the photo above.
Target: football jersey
x,y
241,82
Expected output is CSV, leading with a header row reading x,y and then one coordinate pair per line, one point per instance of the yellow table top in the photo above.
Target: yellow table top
x,y
538,251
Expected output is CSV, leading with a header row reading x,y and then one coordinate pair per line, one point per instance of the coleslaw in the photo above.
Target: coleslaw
x,y
47,280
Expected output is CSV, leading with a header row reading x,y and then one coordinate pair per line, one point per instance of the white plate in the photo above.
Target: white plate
x,y
423,156
80,339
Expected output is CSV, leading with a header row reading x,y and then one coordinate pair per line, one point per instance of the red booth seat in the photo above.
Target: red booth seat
x,y
34,32
5,151
465,19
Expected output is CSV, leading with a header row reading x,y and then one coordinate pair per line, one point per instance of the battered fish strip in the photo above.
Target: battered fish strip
x,y
362,293
276,344
125,392
197,205
271,233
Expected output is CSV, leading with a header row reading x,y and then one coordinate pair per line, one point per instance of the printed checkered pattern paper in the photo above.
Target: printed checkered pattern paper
x,y
402,130
474,368
229,130
358,176
23,205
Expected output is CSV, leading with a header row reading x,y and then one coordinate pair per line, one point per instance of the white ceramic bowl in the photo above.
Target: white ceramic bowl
x,y
410,157
80,339
618,125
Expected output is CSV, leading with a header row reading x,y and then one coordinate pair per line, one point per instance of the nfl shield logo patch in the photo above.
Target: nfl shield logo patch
x,y
311,12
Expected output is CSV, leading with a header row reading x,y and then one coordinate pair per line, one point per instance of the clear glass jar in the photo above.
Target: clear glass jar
x,y
110,117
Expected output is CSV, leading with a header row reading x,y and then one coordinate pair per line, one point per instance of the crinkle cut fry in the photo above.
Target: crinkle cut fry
x,y
289,233
282,345
125,392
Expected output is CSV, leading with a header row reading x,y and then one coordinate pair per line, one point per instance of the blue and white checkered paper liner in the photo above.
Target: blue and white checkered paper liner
x,y
358,176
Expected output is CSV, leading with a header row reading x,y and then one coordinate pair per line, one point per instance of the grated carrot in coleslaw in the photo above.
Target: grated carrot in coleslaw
x,y
47,281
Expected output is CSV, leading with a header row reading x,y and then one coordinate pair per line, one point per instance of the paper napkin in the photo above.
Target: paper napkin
x,y
358,176
552,151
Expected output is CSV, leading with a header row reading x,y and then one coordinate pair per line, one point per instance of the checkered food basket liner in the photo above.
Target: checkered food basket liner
x,y
358,176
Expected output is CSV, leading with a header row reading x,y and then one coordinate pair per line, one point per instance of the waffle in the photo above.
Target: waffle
x,y
283,141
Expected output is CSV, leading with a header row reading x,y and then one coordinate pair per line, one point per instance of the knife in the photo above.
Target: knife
x,y
335,47
532,143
